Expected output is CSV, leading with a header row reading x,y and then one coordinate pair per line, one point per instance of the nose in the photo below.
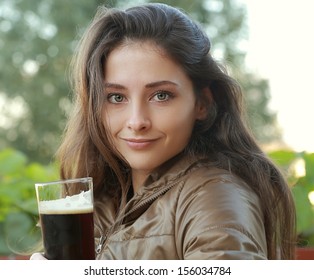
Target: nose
x,y
138,119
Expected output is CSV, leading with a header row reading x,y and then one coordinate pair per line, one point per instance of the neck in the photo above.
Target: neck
x,y
138,179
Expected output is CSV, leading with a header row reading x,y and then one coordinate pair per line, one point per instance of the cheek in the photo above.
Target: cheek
x,y
179,124
107,122
111,130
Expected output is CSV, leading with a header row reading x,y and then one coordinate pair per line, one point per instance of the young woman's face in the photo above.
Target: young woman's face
x,y
150,107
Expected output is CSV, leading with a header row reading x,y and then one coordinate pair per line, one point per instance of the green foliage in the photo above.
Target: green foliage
x,y
299,168
18,206
37,39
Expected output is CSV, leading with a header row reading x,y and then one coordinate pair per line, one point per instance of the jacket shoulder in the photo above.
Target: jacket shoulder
x,y
217,182
222,214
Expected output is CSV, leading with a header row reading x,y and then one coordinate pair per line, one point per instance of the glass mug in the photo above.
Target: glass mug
x,y
66,217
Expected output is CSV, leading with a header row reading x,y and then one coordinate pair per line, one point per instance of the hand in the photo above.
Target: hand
x,y
38,257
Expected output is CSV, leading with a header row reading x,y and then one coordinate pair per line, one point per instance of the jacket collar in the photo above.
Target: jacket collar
x,y
169,172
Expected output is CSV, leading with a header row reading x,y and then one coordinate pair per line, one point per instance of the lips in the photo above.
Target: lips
x,y
138,143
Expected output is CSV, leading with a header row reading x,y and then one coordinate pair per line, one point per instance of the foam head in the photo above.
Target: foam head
x,y
79,203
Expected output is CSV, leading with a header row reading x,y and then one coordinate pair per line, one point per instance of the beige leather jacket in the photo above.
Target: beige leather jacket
x,y
186,210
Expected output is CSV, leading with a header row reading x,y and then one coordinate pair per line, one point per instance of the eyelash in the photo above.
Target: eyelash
x,y
112,97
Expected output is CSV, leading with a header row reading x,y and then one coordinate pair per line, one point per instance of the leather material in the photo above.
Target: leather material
x,y
186,210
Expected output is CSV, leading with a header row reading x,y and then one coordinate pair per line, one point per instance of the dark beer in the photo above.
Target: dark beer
x,y
68,236
66,215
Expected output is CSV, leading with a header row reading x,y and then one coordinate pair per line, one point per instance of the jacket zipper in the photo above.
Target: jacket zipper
x,y
101,243
105,236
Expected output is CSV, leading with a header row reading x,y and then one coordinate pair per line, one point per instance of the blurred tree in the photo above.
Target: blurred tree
x,y
37,39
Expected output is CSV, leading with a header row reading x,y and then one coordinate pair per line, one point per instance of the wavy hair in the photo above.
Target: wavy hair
x,y
223,136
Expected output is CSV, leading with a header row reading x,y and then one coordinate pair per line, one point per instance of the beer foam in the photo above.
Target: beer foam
x,y
80,203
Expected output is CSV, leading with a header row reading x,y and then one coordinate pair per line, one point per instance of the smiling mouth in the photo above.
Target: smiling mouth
x,y
139,143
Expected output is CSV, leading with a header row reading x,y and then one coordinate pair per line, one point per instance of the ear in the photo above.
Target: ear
x,y
203,104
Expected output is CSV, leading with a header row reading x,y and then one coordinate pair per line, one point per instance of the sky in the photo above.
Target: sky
x,y
280,48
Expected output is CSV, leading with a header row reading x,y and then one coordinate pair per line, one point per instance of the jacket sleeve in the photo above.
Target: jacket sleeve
x,y
219,219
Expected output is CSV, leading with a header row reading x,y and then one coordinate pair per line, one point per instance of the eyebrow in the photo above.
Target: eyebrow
x,y
113,85
150,85
160,83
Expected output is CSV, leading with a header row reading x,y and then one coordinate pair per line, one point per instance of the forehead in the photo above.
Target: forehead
x,y
129,47
141,61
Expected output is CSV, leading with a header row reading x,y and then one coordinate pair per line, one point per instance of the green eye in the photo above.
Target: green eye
x,y
162,96
115,98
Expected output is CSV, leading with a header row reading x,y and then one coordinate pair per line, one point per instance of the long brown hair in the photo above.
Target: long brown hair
x,y
223,136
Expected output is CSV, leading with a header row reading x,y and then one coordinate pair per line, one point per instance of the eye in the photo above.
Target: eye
x,y
115,98
162,96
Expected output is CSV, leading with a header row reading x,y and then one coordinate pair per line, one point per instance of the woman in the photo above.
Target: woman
x,y
159,126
